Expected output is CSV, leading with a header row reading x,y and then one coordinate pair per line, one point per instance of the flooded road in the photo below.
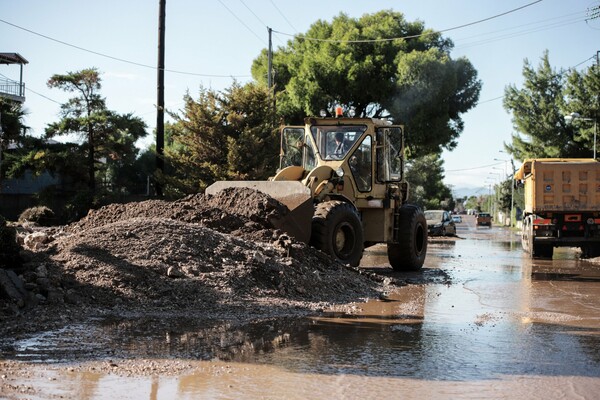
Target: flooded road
x,y
499,326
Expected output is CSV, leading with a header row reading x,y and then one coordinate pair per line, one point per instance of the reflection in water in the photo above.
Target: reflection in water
x,y
502,325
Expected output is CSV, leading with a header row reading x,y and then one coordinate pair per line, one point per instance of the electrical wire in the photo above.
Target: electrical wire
x,y
117,58
412,36
284,17
33,91
520,33
472,168
562,17
242,22
253,13
564,72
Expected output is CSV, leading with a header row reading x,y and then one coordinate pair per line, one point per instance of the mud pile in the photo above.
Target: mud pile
x,y
198,254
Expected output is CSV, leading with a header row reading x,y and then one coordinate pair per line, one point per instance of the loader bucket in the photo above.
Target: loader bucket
x,y
293,194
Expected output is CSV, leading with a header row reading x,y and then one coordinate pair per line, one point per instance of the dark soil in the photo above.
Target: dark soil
x,y
213,256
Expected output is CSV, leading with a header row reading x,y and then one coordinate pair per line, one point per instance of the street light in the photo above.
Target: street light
x,y
512,186
573,116
490,181
496,195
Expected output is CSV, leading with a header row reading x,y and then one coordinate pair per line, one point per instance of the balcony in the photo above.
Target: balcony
x,y
10,89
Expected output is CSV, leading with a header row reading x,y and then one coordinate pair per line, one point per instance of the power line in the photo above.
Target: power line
x,y
41,95
120,59
562,17
472,168
253,13
573,67
413,36
242,22
521,33
284,17
33,91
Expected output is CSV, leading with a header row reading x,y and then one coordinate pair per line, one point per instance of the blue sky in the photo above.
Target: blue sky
x,y
211,42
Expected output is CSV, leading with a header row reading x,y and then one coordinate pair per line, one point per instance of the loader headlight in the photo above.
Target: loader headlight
x,y
339,172
590,221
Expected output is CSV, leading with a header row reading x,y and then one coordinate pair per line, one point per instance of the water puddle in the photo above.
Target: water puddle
x,y
496,325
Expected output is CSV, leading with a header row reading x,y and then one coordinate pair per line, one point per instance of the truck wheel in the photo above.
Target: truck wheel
x,y
542,251
409,253
337,231
527,237
590,251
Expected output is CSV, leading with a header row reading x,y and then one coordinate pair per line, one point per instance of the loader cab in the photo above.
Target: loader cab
x,y
355,142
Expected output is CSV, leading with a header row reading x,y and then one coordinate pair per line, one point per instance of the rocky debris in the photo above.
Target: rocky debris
x,y
12,287
233,210
9,248
200,253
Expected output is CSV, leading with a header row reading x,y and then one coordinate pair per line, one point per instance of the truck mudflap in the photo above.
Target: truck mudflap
x,y
293,194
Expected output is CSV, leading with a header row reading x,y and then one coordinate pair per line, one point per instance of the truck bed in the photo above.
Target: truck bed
x,y
560,185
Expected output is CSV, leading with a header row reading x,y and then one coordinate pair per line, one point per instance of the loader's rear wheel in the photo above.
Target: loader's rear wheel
x,y
337,231
409,253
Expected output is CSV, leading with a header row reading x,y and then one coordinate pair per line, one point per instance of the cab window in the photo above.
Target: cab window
x,y
389,154
335,141
360,165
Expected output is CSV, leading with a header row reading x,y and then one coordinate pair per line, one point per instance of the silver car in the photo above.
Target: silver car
x,y
439,223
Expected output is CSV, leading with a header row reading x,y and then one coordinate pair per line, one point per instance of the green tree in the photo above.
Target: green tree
x,y
538,111
358,64
108,138
427,189
220,136
478,203
12,128
12,113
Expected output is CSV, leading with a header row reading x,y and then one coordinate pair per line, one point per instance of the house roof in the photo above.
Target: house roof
x,y
12,58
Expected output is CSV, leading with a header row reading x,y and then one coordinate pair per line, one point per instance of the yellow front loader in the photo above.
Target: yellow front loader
x,y
342,180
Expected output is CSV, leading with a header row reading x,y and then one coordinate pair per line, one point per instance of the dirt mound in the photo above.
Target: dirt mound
x,y
197,253
227,211
167,263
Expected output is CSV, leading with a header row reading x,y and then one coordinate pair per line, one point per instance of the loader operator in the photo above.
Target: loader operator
x,y
340,145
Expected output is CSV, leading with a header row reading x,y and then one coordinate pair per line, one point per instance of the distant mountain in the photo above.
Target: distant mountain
x,y
469,191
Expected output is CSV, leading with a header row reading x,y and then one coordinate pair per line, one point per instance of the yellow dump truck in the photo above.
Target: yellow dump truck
x,y
562,205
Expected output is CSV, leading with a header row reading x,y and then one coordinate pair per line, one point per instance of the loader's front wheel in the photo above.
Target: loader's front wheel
x,y
337,231
409,253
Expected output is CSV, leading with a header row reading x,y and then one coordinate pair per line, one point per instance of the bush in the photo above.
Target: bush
x,y
9,248
41,215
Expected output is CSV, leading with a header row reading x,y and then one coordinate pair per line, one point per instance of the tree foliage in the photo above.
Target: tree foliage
x,y
425,175
107,152
539,107
220,136
12,128
108,138
358,64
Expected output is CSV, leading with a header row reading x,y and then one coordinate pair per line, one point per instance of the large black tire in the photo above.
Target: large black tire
x,y
409,253
337,231
527,237
542,250
590,251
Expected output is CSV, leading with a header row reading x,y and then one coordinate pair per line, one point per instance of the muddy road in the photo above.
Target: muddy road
x,y
480,321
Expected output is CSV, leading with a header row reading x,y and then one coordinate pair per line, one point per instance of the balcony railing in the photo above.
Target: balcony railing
x,y
12,89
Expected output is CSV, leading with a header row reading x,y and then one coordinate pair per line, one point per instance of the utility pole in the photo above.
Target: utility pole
x,y
512,193
160,102
1,144
270,58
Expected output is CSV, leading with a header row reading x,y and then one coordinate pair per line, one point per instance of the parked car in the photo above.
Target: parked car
x,y
484,219
439,223
457,219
